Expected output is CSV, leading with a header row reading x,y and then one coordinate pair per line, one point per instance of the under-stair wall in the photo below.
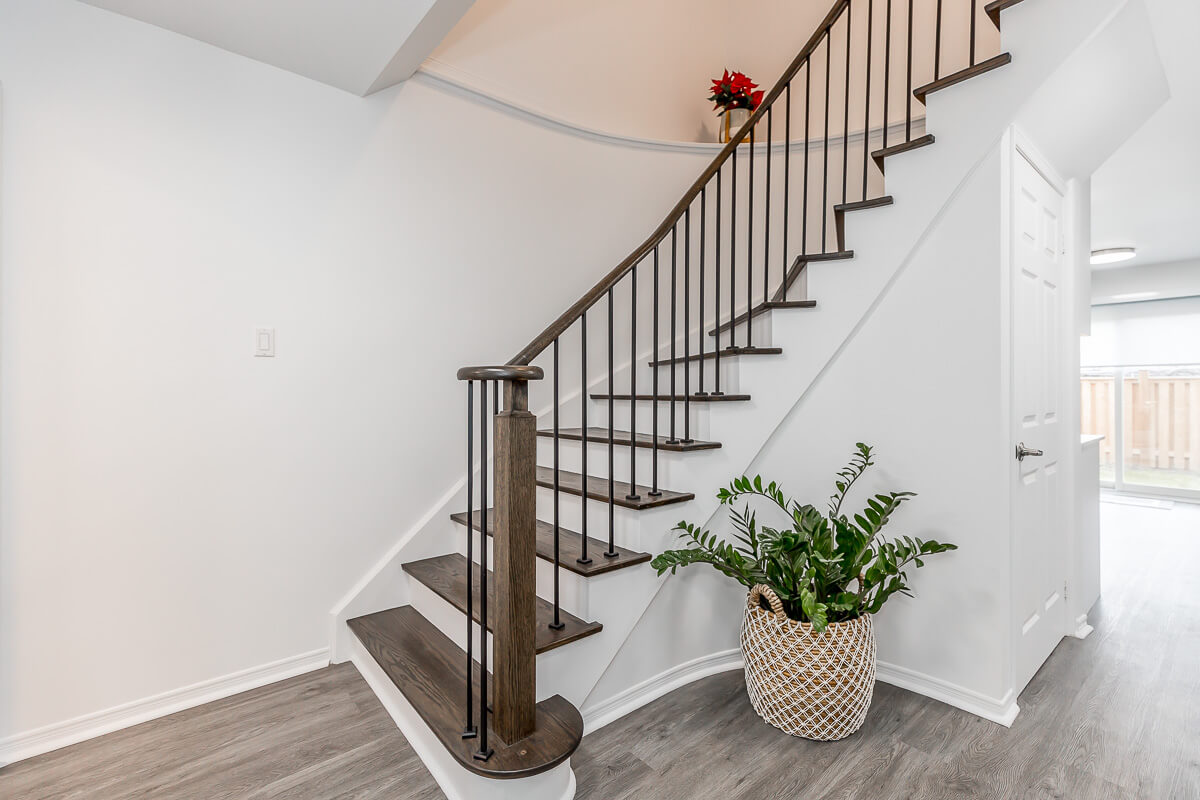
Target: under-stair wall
x,y
921,381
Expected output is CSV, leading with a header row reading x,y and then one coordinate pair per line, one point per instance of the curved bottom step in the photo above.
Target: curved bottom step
x,y
430,671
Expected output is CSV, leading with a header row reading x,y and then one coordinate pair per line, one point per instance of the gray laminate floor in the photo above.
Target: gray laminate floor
x,y
321,735
1114,716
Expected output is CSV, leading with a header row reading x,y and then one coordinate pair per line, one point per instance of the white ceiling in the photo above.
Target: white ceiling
x,y
1147,195
1101,95
357,45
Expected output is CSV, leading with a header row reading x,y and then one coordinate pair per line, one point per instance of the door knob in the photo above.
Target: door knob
x,y
1023,451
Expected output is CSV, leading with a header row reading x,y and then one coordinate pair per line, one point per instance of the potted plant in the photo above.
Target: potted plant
x,y
807,636
735,98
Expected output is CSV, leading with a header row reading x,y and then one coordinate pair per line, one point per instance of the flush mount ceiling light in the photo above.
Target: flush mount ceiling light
x,y
1112,255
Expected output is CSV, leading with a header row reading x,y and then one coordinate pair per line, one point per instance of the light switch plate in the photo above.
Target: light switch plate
x,y
264,342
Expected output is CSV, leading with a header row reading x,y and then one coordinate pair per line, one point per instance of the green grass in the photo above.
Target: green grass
x,y
1165,478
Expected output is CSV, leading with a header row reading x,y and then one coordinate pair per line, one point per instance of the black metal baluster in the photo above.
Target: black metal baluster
x,y
484,752
583,404
974,15
825,142
612,425
717,292
846,123
908,95
469,730
867,111
733,192
671,438
633,495
700,314
787,176
887,73
612,486
937,44
687,326
750,242
654,492
807,153
767,212
557,624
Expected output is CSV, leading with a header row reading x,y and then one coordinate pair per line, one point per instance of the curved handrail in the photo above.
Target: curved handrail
x,y
567,319
507,372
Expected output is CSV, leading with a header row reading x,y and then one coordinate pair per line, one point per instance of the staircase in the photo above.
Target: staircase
x,y
639,386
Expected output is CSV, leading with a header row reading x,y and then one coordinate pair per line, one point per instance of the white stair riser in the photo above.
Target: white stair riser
x,y
553,666
761,334
729,373
626,525
623,417
572,588
671,464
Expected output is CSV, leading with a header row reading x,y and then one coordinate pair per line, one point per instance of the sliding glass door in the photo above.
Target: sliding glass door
x,y
1151,427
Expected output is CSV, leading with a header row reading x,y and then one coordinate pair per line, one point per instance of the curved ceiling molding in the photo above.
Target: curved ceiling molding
x,y
464,84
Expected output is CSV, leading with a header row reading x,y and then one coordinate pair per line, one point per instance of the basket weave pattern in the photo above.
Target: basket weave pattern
x,y
814,685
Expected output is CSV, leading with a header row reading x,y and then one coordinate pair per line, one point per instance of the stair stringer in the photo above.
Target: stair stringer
x,y
969,121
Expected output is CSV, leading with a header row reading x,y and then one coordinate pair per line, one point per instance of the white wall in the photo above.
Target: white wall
x,y
643,69
626,66
174,510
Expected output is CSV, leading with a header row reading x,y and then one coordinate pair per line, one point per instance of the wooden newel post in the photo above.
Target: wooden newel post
x,y
514,555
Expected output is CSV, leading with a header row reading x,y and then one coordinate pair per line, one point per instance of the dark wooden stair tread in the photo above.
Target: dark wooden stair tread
x,y
597,489
994,8
726,352
799,265
762,308
431,672
621,439
858,205
678,398
570,547
903,147
963,74
446,576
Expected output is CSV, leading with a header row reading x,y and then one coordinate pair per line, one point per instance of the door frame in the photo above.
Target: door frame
x,y
1076,234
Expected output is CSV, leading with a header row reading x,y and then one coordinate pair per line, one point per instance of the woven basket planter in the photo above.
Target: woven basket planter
x,y
814,685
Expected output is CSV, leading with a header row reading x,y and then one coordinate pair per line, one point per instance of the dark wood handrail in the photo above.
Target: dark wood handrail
x,y
507,372
568,318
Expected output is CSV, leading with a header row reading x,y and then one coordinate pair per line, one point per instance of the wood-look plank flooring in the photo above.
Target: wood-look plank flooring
x,y
319,736
1113,717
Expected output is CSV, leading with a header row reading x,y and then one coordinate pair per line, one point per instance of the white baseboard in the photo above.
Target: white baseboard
x,y
633,698
1082,628
1002,711
88,726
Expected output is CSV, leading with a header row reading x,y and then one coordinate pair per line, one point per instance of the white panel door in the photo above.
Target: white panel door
x,y
1039,534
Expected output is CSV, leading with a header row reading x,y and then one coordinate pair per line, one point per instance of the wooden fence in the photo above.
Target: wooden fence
x,y
1161,419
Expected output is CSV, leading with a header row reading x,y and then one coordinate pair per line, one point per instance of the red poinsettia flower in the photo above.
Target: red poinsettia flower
x,y
735,90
